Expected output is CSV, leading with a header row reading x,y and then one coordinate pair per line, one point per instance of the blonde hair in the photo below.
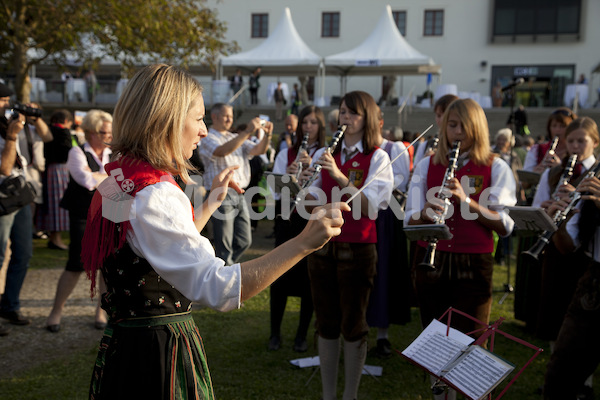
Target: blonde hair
x,y
150,116
474,125
92,122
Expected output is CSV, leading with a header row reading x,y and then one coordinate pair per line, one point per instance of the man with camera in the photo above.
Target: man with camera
x,y
15,223
232,233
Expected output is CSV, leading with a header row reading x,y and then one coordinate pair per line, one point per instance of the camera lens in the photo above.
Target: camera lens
x,y
27,111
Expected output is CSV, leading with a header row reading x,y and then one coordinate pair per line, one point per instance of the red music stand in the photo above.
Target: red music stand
x,y
489,332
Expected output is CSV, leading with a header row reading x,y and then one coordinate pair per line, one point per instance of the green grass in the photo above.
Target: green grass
x,y
242,368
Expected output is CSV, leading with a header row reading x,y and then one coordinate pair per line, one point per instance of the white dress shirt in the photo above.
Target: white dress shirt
x,y
79,168
543,192
379,192
164,233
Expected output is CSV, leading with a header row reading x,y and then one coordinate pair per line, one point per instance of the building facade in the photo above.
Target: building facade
x,y
478,43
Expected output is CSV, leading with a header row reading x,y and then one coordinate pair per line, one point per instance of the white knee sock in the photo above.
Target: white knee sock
x,y
355,354
329,356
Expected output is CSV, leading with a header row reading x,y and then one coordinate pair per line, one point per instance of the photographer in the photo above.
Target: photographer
x,y
15,225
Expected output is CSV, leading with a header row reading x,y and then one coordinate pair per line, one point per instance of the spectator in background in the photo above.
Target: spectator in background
x,y
254,85
53,218
582,80
296,102
15,226
86,172
236,81
31,146
280,101
288,137
221,149
333,120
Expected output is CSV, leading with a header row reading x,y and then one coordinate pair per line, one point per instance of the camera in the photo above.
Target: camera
x,y
19,108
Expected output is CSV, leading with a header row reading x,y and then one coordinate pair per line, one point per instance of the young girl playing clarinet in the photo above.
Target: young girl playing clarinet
x,y
483,185
295,282
341,274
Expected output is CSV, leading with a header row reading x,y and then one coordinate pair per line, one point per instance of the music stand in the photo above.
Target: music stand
x,y
528,177
281,181
428,232
532,219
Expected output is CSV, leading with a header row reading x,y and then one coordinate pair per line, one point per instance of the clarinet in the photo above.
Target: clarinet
x,y
337,136
442,194
560,216
303,147
566,176
552,150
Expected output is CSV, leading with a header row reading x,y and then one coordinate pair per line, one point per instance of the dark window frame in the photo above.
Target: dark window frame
x,y
509,17
437,14
259,25
396,15
329,27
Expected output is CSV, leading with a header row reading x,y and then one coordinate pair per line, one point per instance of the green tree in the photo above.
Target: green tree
x,y
132,32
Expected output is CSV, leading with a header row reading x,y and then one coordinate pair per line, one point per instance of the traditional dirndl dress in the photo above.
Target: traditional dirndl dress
x,y
151,348
53,218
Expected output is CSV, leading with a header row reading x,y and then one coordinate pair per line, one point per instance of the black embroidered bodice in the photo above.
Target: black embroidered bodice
x,y
136,290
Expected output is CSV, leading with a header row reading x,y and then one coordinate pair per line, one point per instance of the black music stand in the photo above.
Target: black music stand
x,y
528,177
428,232
532,219
281,181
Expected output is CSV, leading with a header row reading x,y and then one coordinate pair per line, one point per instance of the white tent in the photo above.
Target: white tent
x,y
283,53
383,52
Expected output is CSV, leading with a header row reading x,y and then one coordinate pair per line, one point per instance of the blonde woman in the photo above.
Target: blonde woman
x,y
86,171
153,259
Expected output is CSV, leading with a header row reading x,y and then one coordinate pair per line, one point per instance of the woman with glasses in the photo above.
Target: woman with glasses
x,y
86,170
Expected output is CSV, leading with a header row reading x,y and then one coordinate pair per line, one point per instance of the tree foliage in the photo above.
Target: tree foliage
x,y
131,32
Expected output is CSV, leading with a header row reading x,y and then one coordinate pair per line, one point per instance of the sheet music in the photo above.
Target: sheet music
x,y
433,349
477,372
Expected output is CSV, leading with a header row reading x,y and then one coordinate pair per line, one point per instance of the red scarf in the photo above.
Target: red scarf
x,y
106,229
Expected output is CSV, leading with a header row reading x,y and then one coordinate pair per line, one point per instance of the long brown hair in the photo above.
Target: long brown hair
x,y
474,124
306,111
362,103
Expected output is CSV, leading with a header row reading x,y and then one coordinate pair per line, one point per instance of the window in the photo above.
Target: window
x,y
260,25
434,23
400,20
536,17
331,24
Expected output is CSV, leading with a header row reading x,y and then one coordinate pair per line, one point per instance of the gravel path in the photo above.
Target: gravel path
x,y
30,344
27,345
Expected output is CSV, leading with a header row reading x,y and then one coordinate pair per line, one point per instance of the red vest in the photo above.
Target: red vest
x,y
469,235
291,156
542,150
362,230
411,153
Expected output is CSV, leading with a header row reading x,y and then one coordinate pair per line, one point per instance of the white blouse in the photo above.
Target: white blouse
x,y
164,233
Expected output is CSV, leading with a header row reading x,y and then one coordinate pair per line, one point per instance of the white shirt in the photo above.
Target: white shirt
x,y
281,164
213,165
543,192
164,233
15,170
531,158
79,168
501,193
379,192
400,167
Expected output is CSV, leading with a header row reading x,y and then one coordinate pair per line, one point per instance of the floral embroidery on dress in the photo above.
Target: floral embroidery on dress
x,y
142,282
178,304
136,260
127,292
148,303
161,300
